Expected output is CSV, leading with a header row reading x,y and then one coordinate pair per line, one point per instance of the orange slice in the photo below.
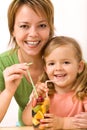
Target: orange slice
x,y
43,109
39,115
46,101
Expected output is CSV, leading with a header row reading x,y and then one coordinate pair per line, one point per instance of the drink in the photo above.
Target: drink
x,y
40,106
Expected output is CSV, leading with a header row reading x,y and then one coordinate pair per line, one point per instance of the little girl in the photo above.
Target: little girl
x,y
66,71
65,80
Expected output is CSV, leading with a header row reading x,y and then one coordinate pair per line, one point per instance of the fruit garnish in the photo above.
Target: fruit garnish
x,y
43,109
33,113
46,101
40,99
39,115
35,122
36,108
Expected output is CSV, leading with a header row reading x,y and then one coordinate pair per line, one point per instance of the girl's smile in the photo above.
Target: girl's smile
x,y
62,66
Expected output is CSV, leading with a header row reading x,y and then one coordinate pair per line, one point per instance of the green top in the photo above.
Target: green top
x,y
24,90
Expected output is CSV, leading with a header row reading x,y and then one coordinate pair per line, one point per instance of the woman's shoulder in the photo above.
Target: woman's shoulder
x,y
8,58
6,53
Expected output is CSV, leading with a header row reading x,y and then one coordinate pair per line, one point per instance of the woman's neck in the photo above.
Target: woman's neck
x,y
24,58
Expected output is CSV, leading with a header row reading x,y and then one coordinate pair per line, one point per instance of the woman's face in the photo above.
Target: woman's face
x,y
31,30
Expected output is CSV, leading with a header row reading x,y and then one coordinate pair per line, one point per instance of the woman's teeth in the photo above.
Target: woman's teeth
x,y
32,43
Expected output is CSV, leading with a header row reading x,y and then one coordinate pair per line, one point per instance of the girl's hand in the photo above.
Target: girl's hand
x,y
51,122
80,120
41,89
13,76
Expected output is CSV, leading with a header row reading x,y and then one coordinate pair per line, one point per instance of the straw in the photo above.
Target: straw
x,y
29,75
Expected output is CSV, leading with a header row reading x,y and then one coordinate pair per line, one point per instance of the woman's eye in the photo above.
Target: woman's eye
x,y
24,26
43,25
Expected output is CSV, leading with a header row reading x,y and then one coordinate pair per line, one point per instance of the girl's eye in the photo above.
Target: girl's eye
x,y
66,62
50,64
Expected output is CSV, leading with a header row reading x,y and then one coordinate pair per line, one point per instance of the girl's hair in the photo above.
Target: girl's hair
x,y
80,86
39,6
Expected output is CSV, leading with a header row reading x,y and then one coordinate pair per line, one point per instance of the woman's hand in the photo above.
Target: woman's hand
x,y
80,120
13,76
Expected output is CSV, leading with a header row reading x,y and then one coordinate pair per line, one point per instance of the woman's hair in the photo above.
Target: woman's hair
x,y
39,6
80,86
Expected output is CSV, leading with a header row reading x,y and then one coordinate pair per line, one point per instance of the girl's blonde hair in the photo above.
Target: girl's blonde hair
x,y
39,6
80,86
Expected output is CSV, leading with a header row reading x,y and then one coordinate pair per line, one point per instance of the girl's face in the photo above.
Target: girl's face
x,y
62,67
31,31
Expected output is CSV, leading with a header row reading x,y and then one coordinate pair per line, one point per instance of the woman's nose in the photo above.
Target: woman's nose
x,y
32,32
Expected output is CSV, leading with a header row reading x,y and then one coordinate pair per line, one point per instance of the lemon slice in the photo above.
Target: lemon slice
x,y
35,122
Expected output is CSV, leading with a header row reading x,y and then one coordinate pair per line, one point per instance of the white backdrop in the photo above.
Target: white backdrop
x,y
70,19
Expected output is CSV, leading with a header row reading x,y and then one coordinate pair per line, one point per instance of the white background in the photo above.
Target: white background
x,y
70,19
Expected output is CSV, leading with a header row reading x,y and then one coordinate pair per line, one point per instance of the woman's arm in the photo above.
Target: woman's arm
x,y
27,113
12,78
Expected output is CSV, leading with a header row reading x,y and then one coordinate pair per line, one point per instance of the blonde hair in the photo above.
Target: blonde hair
x,y
80,86
39,6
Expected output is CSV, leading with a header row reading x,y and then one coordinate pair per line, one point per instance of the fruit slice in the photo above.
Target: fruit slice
x,y
35,122
43,109
36,108
39,115
46,101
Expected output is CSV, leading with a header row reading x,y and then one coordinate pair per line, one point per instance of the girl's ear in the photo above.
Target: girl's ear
x,y
81,66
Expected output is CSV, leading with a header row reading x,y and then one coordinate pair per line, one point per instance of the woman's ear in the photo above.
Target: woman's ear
x,y
81,66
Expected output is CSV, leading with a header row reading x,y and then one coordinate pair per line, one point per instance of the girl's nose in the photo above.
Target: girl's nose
x,y
58,66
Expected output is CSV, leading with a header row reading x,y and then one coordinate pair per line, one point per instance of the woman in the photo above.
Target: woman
x,y
31,26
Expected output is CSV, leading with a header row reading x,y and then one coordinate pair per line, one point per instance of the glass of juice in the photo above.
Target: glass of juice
x,y
40,106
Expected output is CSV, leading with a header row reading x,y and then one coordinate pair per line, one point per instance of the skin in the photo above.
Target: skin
x,y
28,28
62,67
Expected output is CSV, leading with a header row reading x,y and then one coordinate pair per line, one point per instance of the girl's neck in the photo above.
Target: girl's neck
x,y
63,90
